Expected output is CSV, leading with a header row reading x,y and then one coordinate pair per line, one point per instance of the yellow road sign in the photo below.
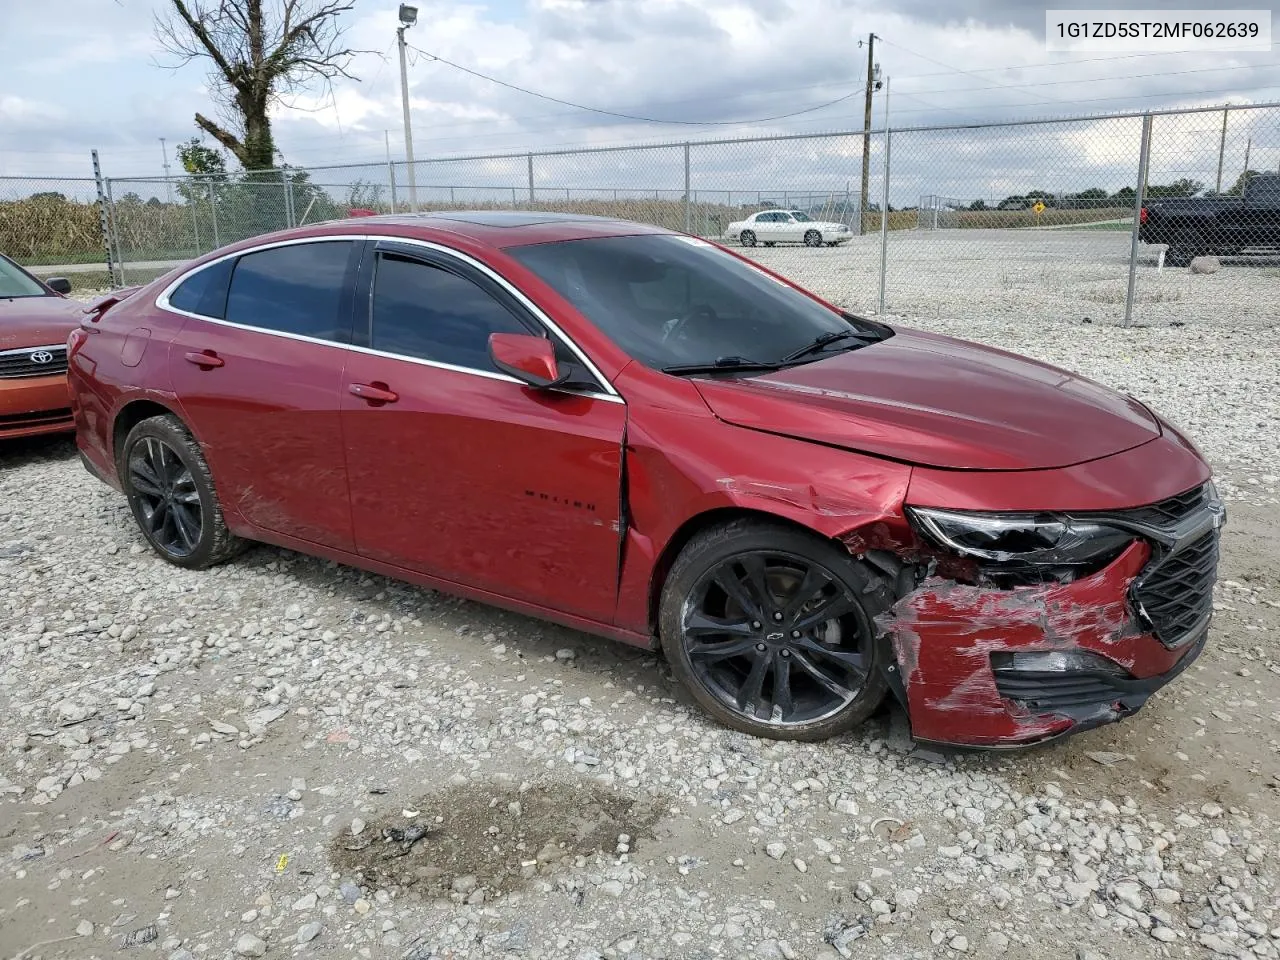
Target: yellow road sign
x,y
1038,208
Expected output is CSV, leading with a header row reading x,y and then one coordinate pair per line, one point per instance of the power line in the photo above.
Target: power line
x,y
958,70
632,116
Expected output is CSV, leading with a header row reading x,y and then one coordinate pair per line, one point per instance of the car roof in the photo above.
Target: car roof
x,y
496,228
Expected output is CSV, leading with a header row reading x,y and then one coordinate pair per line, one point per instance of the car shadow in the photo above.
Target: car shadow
x,y
25,450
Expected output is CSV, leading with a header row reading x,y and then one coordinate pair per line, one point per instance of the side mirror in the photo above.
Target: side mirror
x,y
58,285
529,359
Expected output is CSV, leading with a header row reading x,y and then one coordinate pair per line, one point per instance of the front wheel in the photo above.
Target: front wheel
x,y
812,238
747,238
170,492
772,630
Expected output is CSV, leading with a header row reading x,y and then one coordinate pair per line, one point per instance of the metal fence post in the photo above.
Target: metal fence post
x,y
115,234
688,209
884,216
530,159
286,196
103,222
391,179
1144,158
195,219
213,215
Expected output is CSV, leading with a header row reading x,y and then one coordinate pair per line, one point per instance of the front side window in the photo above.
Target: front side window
x,y
430,313
802,217
670,301
293,289
15,283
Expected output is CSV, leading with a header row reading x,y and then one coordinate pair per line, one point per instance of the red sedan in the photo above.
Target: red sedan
x,y
642,435
35,320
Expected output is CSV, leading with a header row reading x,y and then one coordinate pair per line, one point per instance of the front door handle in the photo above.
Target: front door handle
x,y
376,394
204,359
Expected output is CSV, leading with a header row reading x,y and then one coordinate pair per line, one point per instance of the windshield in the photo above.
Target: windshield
x,y
15,283
802,217
673,301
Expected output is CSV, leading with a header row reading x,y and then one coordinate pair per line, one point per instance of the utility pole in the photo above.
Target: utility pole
x,y
408,17
1222,147
168,184
866,133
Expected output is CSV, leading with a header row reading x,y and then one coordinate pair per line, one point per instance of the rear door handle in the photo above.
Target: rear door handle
x,y
375,393
204,359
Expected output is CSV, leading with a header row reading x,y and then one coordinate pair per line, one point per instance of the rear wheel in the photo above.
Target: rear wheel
x,y
747,238
812,238
1187,244
773,632
170,492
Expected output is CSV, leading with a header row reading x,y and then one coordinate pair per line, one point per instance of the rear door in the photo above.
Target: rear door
x,y
462,472
257,369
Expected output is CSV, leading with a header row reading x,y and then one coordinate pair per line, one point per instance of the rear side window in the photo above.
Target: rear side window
x,y
205,292
426,312
295,289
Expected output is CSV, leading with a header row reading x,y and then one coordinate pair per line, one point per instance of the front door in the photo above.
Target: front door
x,y
258,374
461,472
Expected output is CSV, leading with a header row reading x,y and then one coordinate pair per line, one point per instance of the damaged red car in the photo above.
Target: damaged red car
x,y
642,435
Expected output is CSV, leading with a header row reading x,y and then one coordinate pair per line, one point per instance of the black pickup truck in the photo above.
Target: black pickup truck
x,y
1226,225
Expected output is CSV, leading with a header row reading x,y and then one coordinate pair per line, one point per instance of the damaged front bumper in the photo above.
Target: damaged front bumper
x,y
986,667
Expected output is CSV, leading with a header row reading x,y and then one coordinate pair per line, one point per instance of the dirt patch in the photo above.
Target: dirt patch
x,y
478,840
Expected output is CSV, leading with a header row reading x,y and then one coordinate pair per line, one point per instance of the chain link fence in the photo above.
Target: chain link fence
x,y
1000,220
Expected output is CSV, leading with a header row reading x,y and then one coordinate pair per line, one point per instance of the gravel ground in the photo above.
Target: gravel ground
x,y
283,757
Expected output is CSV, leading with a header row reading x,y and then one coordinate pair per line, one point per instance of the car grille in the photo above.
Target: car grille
x,y
1175,593
32,362
1042,691
1170,510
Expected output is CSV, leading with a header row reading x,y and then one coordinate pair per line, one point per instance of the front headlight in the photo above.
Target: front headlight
x,y
1022,539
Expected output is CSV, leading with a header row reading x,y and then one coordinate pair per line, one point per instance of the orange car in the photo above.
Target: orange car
x,y
35,320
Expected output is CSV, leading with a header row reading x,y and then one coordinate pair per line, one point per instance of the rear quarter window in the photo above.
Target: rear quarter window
x,y
205,291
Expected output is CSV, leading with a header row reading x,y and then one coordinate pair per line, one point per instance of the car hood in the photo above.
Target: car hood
x,y
941,402
37,321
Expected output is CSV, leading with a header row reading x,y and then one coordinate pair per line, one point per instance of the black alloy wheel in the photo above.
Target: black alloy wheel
x,y
779,641
812,238
171,493
169,502
747,238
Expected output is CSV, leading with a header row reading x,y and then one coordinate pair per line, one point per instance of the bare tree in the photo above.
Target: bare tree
x,y
260,50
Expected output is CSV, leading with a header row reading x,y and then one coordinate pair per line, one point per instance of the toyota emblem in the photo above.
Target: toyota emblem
x,y
41,356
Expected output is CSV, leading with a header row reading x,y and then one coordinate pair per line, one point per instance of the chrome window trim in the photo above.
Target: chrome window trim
x,y
608,392
47,346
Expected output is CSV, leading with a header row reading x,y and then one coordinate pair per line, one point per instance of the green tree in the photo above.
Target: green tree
x,y
197,159
260,50
1241,182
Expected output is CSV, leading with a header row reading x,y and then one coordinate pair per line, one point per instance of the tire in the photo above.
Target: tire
x,y
171,494
812,238
747,238
1186,245
725,637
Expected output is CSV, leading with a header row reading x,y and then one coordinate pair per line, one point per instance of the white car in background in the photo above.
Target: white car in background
x,y
786,226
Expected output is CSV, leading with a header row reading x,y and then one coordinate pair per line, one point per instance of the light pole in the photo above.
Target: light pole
x,y
408,17
168,184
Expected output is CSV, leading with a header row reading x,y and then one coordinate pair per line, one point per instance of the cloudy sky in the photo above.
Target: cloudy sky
x,y
89,73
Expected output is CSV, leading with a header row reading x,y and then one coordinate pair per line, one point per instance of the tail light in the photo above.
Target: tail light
x,y
1142,215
